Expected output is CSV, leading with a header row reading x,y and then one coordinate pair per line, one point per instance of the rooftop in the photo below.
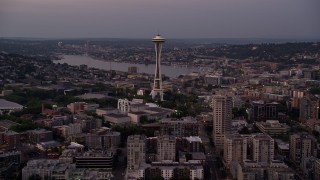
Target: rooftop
x,y
39,131
5,105
92,96
50,144
8,124
138,113
75,145
194,139
116,115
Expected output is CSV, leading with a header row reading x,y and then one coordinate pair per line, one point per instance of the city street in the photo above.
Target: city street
x,y
210,153
119,171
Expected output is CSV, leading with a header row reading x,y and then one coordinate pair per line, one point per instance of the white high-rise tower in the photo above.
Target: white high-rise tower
x,y
157,91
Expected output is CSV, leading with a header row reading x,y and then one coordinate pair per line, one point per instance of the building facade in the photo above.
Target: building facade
x,y
235,148
166,148
309,108
262,148
261,111
179,127
302,146
135,151
222,116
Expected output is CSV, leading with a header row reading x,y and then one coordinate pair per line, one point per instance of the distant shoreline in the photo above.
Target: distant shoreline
x,y
236,41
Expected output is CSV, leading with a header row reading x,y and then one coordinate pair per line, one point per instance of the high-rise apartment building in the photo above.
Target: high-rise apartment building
x,y
262,148
258,148
166,148
135,151
235,148
309,108
222,116
302,146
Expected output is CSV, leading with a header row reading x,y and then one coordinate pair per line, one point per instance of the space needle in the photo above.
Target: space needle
x,y
157,91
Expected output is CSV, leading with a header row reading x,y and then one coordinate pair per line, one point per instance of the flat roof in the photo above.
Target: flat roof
x,y
107,108
194,139
158,109
138,113
92,96
116,115
50,144
75,145
8,124
283,146
11,133
156,124
38,131
198,155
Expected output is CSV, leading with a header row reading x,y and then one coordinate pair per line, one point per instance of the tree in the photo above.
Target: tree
x,y
244,130
209,87
188,157
143,119
315,90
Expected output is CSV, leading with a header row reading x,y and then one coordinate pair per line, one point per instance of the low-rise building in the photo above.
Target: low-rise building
x,y
48,146
194,144
90,107
7,124
192,169
103,111
272,127
40,135
117,119
76,107
95,159
89,174
179,127
103,138
46,169
9,160
135,116
10,139
251,170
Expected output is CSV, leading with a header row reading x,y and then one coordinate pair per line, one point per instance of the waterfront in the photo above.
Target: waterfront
x,y
171,71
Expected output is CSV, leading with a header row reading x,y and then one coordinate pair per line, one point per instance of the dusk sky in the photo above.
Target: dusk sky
x,y
173,18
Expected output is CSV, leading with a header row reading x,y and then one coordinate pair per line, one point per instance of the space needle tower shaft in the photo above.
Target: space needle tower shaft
x,y
157,91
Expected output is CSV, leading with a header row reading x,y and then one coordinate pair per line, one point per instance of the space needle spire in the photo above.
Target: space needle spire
x,y
157,91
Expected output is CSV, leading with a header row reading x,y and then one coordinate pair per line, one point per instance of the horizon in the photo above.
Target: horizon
x,y
239,41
